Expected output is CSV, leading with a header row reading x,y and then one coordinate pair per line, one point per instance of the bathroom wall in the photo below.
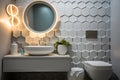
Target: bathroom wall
x,y
115,35
76,17
5,32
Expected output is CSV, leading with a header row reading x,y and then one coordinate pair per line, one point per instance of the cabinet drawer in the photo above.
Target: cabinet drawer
x,y
36,64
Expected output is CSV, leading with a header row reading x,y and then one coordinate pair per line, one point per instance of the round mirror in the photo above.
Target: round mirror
x,y
40,16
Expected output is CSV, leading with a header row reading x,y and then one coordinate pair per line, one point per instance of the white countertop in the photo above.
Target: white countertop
x,y
53,55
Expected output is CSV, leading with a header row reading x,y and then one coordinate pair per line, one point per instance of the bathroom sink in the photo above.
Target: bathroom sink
x,y
39,50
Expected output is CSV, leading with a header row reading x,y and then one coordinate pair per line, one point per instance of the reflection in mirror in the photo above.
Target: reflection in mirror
x,y
40,17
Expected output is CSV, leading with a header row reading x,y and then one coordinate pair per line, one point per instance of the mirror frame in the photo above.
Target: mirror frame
x,y
29,5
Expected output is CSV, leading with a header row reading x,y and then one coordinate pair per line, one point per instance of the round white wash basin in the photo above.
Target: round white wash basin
x,y
39,50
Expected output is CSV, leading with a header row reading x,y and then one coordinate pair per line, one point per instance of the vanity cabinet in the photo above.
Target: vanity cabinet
x,y
17,63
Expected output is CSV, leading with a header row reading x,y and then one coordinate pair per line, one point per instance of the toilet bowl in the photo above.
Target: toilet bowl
x,y
98,70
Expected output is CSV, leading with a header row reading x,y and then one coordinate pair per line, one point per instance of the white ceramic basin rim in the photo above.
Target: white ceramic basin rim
x,y
39,50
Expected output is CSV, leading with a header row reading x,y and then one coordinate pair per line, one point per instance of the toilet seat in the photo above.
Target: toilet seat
x,y
99,64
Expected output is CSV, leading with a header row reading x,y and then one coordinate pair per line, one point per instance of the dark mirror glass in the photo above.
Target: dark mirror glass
x,y
39,17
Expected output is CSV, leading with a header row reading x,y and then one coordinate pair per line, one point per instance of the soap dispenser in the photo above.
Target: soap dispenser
x,y
14,48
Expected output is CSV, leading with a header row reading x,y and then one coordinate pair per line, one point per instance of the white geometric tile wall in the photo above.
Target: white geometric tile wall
x,y
76,17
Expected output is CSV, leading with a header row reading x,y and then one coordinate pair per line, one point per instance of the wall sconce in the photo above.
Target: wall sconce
x,y
12,11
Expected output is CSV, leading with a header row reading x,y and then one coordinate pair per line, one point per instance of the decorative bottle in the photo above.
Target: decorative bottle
x,y
14,48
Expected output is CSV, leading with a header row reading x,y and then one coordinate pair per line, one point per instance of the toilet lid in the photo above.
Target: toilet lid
x,y
99,64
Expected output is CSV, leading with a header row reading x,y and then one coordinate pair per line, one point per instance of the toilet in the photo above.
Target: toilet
x,y
98,70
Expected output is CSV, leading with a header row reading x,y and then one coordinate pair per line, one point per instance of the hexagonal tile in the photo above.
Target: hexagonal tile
x,y
75,5
106,19
53,40
33,35
20,40
107,11
86,1
81,65
98,5
89,46
101,1
60,8
93,54
21,1
85,25
46,39
57,1
101,25
41,35
105,47
108,53
64,33
21,27
97,46
64,18
105,5
61,27
49,0
77,26
50,34
16,33
57,33
71,34
76,40
72,1
64,1
85,11
42,43
25,33
108,1
102,33
108,25
75,59
14,39
68,26
77,12
105,58
74,47
69,39
80,33
101,54
108,33
93,11
101,11
85,54
73,18
98,19
54,3
81,18
29,40
93,25
105,40
81,46
90,19
96,58
89,4
37,40
81,5
93,1
68,9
